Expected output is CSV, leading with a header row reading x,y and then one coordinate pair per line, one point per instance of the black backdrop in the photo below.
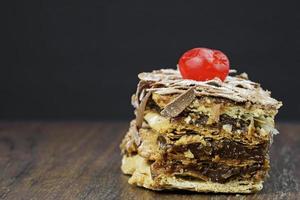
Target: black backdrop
x,y
80,59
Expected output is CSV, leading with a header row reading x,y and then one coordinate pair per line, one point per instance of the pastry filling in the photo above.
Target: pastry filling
x,y
224,149
210,171
213,160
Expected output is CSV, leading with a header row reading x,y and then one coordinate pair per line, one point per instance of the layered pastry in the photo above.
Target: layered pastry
x,y
204,136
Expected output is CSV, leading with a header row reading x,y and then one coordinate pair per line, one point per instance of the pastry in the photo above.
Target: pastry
x,y
210,135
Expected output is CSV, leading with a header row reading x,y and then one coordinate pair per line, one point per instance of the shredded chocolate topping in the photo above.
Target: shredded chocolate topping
x,y
237,88
176,106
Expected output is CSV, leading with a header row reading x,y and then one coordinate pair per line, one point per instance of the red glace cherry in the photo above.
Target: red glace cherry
x,y
202,64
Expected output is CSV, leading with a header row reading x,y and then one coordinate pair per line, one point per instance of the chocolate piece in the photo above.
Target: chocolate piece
x,y
135,135
176,106
140,110
142,85
232,71
140,92
243,76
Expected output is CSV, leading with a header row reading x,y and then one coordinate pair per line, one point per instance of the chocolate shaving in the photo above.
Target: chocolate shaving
x,y
135,135
140,110
243,76
142,85
176,106
232,71
216,84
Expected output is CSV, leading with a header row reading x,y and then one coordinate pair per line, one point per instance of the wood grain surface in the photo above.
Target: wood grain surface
x,y
81,160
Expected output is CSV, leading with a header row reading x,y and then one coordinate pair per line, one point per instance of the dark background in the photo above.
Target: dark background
x,y
80,59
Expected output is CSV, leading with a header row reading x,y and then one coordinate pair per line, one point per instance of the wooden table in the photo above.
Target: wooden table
x,y
81,160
